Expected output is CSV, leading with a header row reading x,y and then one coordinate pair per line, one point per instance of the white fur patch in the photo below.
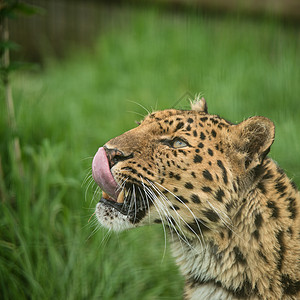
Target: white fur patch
x,y
111,218
210,292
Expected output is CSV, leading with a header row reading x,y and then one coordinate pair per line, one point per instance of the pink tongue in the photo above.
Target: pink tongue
x,y
102,174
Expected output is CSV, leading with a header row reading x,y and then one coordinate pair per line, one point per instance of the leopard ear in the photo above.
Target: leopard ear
x,y
199,104
253,138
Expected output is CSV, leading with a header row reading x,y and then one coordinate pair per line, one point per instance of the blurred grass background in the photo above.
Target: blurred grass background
x,y
65,111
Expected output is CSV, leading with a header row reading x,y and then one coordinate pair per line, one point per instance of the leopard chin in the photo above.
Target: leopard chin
x,y
112,218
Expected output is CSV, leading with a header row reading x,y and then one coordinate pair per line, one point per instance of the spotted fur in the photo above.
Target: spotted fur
x,y
232,214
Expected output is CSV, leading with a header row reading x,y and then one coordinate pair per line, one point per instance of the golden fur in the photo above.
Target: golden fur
x,y
232,213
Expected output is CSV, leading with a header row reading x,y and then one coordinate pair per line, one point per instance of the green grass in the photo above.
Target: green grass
x,y
48,250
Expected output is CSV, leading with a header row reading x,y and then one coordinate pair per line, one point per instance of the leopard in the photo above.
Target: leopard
x,y
232,215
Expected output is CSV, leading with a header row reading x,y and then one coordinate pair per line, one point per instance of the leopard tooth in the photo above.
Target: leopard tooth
x,y
105,195
121,197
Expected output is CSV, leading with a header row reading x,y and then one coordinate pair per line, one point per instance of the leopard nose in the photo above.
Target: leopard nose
x,y
114,156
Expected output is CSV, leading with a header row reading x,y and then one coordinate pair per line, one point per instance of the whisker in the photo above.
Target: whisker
x,y
97,191
179,218
220,215
226,223
122,184
86,158
181,235
140,105
131,200
91,217
193,215
134,200
134,112
159,213
148,206
106,237
87,177
91,183
95,230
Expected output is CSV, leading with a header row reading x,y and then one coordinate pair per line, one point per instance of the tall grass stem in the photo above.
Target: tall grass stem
x,y
12,124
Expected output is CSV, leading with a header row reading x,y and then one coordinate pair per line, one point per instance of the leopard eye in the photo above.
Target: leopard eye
x,y
178,143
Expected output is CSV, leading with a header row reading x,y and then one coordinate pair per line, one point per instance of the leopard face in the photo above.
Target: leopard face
x,y
183,168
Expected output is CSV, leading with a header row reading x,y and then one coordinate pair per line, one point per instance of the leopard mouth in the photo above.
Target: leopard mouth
x,y
117,204
134,211
111,194
122,199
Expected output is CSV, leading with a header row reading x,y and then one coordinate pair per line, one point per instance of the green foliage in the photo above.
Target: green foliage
x,y
48,250
13,8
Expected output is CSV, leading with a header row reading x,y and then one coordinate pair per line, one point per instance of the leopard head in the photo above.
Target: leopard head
x,y
186,169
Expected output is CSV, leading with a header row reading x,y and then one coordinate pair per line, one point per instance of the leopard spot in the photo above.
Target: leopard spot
x,y
207,175
197,159
195,198
188,185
